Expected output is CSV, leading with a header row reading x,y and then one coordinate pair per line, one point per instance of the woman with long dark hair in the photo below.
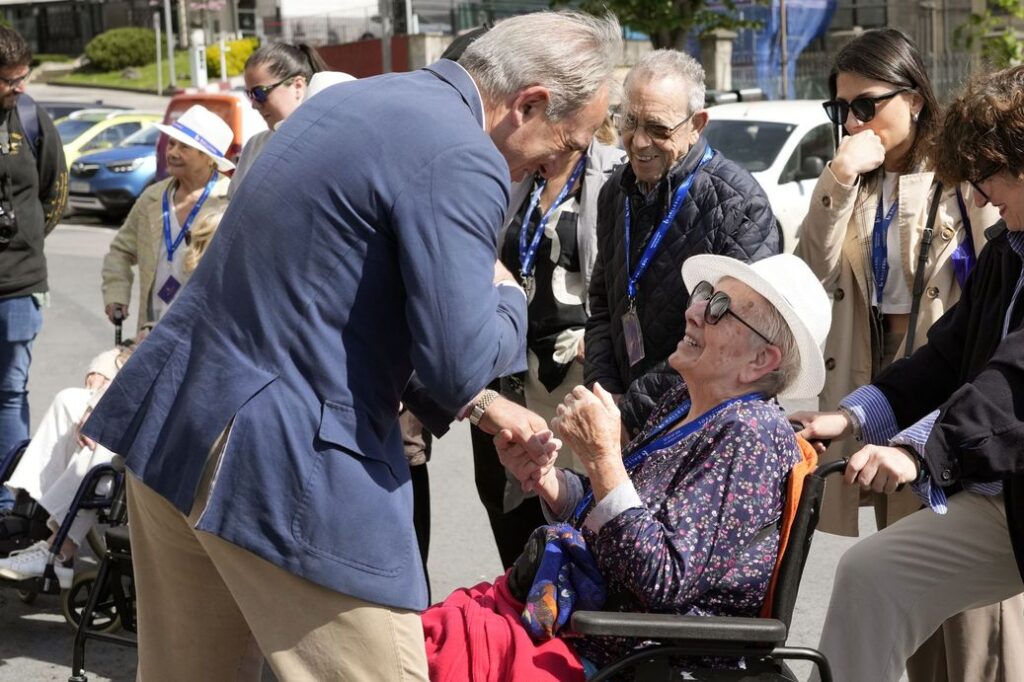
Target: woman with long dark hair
x,y
892,246
276,77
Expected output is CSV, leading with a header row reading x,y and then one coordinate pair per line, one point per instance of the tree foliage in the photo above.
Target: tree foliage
x,y
993,32
669,22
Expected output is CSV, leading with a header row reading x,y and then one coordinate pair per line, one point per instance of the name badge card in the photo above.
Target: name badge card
x,y
169,290
634,337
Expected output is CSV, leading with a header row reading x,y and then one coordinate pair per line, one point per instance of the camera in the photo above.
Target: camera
x,y
8,227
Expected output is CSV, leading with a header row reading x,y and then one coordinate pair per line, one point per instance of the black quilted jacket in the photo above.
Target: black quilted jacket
x,y
726,213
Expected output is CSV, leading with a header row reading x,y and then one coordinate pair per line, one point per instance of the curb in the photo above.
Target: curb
x,y
217,86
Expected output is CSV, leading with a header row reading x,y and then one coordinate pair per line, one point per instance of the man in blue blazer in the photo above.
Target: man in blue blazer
x,y
269,496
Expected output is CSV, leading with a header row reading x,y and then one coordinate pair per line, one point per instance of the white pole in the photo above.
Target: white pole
x,y
173,79
159,65
223,61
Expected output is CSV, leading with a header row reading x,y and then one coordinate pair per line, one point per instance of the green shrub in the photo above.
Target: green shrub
x,y
238,52
119,48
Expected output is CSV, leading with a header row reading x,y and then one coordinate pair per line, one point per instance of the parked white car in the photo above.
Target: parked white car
x,y
785,146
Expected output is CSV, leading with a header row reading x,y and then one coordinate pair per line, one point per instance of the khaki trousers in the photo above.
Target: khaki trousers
x,y
210,610
894,589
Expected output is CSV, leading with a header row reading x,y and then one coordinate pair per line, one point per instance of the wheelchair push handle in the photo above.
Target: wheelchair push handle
x,y
118,316
798,427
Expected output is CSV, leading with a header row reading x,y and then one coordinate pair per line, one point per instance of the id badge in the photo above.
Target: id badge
x,y
169,290
634,337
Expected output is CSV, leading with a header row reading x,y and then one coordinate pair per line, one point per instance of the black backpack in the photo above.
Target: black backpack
x,y
28,114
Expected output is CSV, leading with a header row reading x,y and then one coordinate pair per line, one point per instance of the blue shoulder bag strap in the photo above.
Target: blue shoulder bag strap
x,y
28,114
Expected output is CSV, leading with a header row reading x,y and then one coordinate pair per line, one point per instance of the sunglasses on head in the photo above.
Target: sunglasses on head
x,y
718,306
863,107
260,93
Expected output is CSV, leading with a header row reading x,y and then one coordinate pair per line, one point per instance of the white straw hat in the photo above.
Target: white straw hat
x,y
204,130
325,79
790,286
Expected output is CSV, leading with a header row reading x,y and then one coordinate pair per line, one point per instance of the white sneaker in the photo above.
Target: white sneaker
x,y
31,562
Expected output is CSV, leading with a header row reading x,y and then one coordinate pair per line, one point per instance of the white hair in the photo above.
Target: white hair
x,y
570,53
660,64
771,323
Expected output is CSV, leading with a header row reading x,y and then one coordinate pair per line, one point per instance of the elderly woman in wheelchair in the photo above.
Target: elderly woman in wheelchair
x,y
684,518
54,465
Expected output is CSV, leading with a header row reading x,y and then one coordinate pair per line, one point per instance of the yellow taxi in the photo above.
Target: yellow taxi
x,y
90,130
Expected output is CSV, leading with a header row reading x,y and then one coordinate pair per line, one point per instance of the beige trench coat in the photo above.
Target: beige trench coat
x,y
835,241
138,243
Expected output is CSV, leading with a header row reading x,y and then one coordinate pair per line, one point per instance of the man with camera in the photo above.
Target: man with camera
x,y
33,191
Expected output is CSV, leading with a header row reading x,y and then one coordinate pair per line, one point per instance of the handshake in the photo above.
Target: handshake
x,y
587,421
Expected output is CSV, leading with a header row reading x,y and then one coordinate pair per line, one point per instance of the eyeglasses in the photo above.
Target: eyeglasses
x,y
260,93
655,131
718,306
976,184
15,82
863,107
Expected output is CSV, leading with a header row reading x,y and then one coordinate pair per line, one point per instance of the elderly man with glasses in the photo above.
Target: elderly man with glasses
x,y
33,192
677,197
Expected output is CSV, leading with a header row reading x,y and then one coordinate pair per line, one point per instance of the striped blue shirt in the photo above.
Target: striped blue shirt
x,y
872,410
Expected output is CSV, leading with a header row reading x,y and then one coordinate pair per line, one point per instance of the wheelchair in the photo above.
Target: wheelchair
x,y
102,487
759,643
109,602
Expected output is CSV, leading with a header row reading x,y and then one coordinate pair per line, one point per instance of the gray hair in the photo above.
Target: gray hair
x,y
570,53
771,323
660,64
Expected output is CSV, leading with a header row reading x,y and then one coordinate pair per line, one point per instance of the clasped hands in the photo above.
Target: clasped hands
x,y
587,421
879,468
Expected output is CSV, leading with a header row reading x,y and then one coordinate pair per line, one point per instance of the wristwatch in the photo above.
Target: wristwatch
x,y
480,406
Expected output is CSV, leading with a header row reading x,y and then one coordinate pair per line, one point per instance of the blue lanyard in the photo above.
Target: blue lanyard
x,y
528,253
659,234
880,247
963,257
173,246
634,459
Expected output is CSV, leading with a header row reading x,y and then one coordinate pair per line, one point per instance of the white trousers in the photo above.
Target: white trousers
x,y
54,465
894,589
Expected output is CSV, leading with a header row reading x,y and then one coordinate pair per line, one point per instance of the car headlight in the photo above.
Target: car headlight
x,y
125,166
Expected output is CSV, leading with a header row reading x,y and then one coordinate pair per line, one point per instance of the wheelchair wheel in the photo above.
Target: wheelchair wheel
x,y
74,600
27,596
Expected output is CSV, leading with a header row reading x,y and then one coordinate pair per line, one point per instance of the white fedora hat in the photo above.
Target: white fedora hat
x,y
325,79
790,286
204,130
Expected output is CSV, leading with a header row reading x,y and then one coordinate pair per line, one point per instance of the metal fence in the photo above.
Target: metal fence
x,y
948,72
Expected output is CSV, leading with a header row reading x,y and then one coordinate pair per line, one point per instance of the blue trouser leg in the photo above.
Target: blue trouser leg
x,y
20,321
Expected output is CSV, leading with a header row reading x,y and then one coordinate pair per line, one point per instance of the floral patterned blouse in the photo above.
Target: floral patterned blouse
x,y
705,542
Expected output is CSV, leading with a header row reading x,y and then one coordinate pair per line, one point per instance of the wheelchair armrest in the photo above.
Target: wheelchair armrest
x,y
662,626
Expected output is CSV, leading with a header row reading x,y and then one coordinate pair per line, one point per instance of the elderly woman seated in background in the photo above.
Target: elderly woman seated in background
x,y
684,518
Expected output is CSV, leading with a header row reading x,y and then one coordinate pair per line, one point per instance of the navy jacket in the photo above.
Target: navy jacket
x,y
360,247
726,213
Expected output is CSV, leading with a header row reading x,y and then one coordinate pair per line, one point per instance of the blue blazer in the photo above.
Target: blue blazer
x,y
360,247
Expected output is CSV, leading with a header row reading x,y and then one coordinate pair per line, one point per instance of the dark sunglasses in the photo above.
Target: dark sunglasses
x,y
655,131
260,93
718,306
863,107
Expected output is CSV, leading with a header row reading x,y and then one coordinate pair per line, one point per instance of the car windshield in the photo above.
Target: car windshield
x,y
752,144
146,137
71,128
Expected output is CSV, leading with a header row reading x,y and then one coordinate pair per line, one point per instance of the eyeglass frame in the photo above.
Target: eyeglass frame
x,y
710,296
976,185
13,83
267,89
665,133
848,106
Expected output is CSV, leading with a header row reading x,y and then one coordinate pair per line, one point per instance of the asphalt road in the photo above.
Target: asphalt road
x,y
35,643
